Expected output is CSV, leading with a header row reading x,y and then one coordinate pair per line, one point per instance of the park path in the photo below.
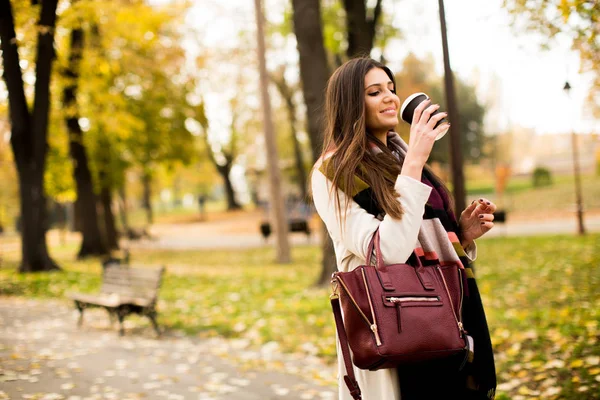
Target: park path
x,y
240,230
44,356
241,233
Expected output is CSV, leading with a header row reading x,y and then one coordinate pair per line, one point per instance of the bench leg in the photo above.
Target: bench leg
x,y
121,313
152,316
111,315
80,308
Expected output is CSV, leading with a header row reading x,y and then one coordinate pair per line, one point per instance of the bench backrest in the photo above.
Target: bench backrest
x,y
135,282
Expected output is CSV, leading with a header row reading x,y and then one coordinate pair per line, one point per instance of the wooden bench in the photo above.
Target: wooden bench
x,y
124,291
294,225
298,214
500,216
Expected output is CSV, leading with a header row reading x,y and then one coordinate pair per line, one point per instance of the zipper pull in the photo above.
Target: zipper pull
x,y
377,339
461,328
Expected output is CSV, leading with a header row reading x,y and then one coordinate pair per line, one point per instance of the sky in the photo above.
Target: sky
x,y
521,84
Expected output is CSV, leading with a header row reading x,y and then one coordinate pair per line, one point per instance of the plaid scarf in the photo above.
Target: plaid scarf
x,y
439,239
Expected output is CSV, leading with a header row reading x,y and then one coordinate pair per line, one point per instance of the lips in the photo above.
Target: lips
x,y
389,110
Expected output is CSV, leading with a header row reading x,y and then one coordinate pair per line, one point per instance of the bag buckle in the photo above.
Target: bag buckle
x,y
334,288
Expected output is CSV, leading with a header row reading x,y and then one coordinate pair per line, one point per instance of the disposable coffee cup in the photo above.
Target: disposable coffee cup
x,y
408,110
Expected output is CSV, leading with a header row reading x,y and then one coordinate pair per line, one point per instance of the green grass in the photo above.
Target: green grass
x,y
137,216
521,197
542,297
487,186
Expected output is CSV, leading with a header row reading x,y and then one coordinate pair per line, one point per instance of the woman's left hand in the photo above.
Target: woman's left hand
x,y
476,220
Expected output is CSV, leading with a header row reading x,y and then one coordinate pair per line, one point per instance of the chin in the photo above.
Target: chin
x,y
390,123
390,126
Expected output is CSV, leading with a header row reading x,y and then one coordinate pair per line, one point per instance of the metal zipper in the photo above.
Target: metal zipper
x,y
462,291
411,298
459,323
374,325
354,301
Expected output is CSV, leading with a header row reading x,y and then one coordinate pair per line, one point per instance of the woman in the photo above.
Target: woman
x,y
368,178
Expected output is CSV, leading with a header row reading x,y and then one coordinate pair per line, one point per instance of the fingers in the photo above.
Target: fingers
x,y
471,207
486,217
426,115
419,110
487,225
483,206
440,129
435,119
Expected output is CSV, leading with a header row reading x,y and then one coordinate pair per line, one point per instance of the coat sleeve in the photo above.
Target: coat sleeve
x,y
398,236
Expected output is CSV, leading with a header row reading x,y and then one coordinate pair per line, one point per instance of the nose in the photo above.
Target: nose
x,y
389,94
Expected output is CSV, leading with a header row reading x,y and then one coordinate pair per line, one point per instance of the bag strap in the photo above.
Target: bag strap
x,y
349,378
372,247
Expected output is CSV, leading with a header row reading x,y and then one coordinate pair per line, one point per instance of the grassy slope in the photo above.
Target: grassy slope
x,y
521,197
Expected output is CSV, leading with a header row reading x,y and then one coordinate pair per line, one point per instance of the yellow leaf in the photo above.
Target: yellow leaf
x,y
576,364
539,377
523,390
594,371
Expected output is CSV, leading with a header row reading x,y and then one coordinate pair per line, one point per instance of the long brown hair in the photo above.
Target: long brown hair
x,y
347,136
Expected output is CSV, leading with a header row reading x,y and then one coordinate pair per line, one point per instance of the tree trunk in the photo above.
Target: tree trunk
x,y
123,208
288,96
92,243
314,70
360,27
302,179
456,157
314,73
147,183
110,231
29,132
278,218
177,200
328,261
78,212
34,223
229,156
224,171
232,203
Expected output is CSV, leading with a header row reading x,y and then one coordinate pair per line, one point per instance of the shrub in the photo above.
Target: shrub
x,y
542,177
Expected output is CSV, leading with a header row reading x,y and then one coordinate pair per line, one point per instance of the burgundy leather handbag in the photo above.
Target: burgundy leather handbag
x,y
397,314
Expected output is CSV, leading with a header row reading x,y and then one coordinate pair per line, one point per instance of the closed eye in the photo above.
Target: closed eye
x,y
376,93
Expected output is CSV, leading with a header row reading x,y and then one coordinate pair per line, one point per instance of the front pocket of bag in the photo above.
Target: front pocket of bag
x,y
403,300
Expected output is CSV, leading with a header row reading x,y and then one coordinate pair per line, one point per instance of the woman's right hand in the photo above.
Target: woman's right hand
x,y
422,137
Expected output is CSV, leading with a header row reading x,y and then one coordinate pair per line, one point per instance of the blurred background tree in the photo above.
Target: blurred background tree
x,y
29,125
133,97
418,75
578,20
123,105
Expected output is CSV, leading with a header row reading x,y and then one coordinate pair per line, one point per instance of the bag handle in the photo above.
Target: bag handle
x,y
383,277
349,378
387,284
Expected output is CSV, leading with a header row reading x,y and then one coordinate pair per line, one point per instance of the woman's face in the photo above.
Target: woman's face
x,y
381,102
